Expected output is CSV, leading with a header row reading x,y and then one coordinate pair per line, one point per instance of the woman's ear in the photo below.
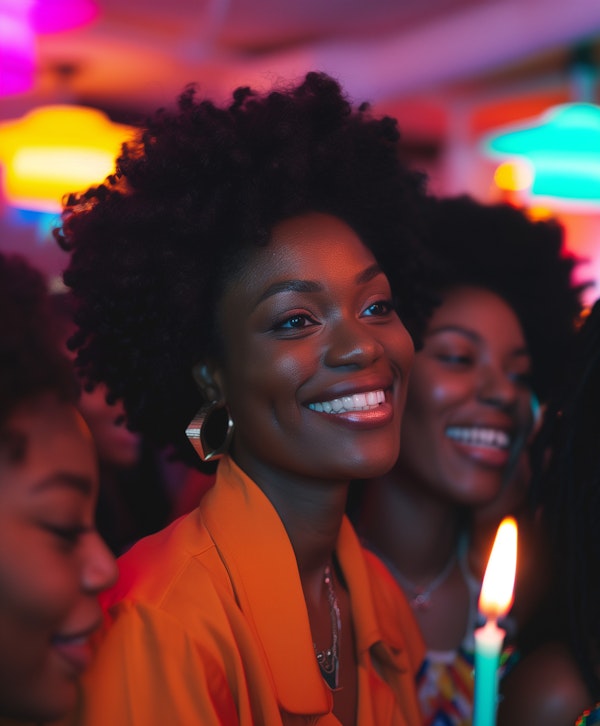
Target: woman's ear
x,y
209,379
211,430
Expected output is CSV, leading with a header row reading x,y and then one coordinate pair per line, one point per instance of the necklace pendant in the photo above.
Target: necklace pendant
x,y
421,601
331,677
328,659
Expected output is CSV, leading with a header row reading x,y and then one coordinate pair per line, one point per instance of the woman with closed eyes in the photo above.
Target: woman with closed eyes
x,y
234,284
53,564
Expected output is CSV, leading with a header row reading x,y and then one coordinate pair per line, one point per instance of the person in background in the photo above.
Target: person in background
x,y
255,267
53,564
136,492
557,682
493,347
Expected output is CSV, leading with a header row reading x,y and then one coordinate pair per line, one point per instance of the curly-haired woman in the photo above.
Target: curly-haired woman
x,y
239,264
53,564
497,341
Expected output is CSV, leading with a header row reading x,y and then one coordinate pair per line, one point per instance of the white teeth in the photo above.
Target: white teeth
x,y
356,402
477,436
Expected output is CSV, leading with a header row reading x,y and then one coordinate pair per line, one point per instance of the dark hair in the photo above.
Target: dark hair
x,y
497,247
567,486
31,363
202,185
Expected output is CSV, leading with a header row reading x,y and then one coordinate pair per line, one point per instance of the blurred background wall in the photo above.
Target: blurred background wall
x,y
455,73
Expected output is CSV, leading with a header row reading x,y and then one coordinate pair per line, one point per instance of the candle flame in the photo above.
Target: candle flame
x,y
497,591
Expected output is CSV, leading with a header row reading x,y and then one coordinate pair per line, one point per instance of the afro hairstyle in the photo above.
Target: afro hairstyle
x,y
31,363
198,189
499,248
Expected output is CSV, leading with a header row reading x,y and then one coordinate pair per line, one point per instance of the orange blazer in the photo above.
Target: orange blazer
x,y
208,625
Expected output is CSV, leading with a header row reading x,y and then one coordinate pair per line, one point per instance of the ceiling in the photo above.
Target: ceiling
x,y
415,58
447,69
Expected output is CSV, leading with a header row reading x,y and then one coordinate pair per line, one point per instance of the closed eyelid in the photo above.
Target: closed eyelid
x,y
66,480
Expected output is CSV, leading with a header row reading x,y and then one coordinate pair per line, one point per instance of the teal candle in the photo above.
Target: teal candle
x,y
488,646
494,601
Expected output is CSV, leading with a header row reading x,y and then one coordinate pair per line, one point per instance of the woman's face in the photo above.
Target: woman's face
x,y
316,360
52,562
117,446
468,406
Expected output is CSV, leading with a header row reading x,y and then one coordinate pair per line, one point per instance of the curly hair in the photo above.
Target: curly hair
x,y
566,486
497,247
196,191
31,363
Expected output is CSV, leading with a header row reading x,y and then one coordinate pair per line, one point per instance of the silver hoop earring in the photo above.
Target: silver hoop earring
x,y
211,430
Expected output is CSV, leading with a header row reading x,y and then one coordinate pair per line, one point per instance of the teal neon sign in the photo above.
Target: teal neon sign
x,y
563,148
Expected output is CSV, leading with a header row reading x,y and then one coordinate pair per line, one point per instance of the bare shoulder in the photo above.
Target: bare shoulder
x,y
544,689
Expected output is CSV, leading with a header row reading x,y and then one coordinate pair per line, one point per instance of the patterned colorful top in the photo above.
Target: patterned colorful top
x,y
445,683
445,686
589,717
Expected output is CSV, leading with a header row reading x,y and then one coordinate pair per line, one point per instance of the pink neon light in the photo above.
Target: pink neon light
x,y
16,74
17,48
52,16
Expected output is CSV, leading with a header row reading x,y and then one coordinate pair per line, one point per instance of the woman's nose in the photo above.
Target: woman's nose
x,y
496,387
100,569
352,343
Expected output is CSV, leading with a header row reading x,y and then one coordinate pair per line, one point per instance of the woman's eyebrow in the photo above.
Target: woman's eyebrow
x,y
369,274
466,332
471,335
296,285
290,286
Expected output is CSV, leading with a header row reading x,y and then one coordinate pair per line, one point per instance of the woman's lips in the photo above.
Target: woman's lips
x,y
484,445
75,649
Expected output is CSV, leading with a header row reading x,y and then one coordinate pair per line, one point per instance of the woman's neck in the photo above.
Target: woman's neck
x,y
408,525
312,518
311,512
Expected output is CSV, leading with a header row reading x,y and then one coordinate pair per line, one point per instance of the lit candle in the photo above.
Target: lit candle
x,y
495,601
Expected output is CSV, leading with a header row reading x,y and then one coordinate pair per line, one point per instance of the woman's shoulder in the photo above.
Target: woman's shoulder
x,y
545,688
170,567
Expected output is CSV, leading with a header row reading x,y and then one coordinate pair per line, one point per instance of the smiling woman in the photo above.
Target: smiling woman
x,y
495,344
239,262
287,345
52,562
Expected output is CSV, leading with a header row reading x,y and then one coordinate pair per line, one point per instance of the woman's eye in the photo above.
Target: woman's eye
x,y
296,322
67,535
522,379
379,308
455,359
